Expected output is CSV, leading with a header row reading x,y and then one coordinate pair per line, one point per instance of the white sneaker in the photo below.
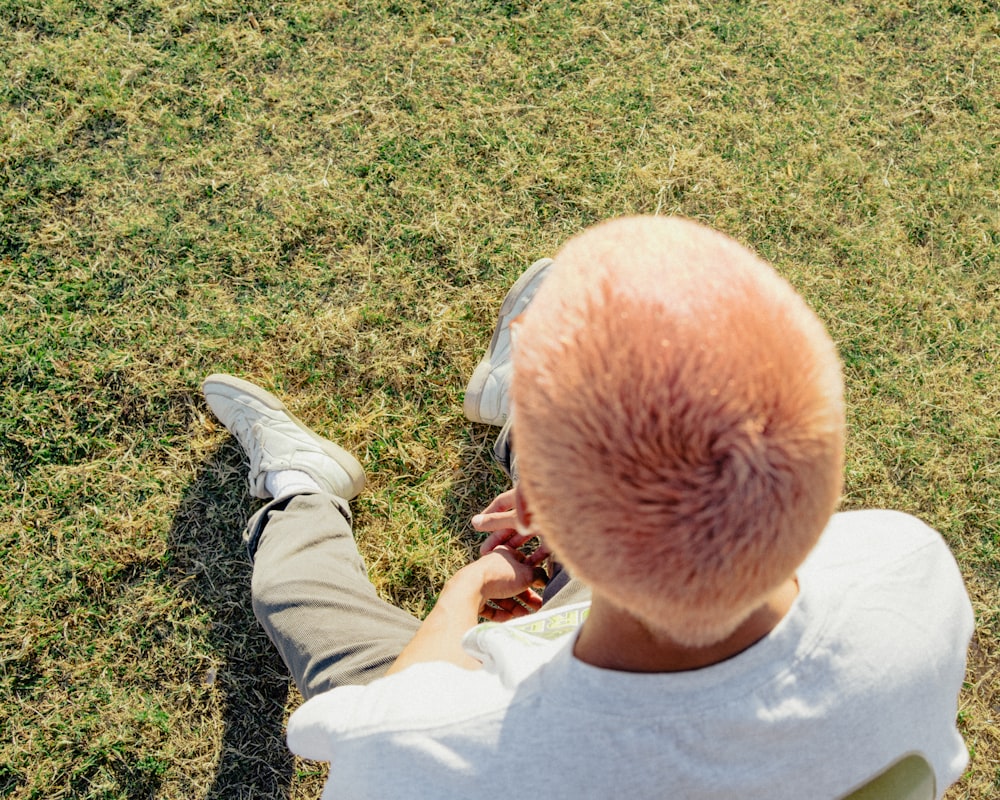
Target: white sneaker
x,y
275,440
486,396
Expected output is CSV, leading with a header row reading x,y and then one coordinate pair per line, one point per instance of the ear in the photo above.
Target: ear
x,y
521,509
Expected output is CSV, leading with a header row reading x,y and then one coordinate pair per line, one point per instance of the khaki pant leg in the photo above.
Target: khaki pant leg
x,y
312,595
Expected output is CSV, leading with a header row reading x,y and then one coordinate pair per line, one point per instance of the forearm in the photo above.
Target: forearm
x,y
439,637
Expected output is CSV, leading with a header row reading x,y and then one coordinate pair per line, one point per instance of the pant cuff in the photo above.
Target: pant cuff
x,y
256,524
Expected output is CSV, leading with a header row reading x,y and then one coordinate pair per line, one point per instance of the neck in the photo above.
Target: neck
x,y
613,638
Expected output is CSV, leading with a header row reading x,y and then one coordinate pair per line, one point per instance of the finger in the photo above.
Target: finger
x,y
502,502
526,601
531,600
508,604
514,609
540,577
507,537
501,611
492,521
510,539
495,540
539,555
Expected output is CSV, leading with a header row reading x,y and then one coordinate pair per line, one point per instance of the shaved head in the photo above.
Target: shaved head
x,y
679,422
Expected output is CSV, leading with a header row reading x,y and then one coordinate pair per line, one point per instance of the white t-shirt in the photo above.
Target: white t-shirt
x,y
865,667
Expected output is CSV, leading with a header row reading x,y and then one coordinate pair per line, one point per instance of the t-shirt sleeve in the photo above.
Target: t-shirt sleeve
x,y
421,696
315,726
433,693
902,624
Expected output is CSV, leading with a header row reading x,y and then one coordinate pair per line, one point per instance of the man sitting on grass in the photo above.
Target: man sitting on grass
x,y
679,430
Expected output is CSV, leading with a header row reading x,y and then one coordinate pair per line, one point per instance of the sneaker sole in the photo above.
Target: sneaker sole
x,y
347,462
474,391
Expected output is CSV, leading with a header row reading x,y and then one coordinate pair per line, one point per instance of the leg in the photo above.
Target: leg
x,y
487,393
563,589
312,595
310,589
487,400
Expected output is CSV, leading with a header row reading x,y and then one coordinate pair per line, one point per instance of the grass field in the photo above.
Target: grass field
x,y
330,199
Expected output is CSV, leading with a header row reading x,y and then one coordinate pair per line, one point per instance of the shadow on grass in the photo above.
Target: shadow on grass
x,y
480,480
250,678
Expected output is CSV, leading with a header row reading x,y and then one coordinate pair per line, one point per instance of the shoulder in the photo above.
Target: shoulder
x,y
884,523
891,625
868,541
889,578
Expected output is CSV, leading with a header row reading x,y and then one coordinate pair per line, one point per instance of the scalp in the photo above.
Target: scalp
x,y
679,421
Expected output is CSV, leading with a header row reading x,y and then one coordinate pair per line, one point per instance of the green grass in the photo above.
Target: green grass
x,y
331,199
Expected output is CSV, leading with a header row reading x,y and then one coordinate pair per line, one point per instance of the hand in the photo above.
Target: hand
x,y
497,587
499,519
502,580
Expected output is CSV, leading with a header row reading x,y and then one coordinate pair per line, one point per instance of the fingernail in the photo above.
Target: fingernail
x,y
477,520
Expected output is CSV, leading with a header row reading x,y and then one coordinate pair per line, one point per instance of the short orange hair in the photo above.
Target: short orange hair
x,y
679,423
